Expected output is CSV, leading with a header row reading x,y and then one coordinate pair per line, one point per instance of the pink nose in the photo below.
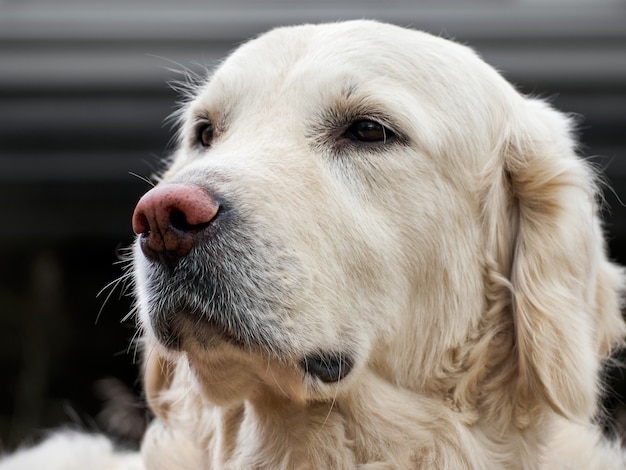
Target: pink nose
x,y
172,218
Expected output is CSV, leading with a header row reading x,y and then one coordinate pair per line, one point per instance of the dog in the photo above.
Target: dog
x,y
368,250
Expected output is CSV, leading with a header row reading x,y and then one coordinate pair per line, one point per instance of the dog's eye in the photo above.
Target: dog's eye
x,y
204,134
368,131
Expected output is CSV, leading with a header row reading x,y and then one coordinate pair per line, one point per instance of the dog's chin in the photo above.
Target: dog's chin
x,y
222,363
230,367
227,375
224,374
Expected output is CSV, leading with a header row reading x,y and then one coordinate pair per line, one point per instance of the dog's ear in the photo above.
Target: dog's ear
x,y
565,293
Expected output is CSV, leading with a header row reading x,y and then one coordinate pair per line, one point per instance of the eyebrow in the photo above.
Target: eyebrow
x,y
348,90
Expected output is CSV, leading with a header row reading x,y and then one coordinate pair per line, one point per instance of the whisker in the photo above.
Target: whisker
x,y
112,287
136,342
143,178
334,400
122,282
132,312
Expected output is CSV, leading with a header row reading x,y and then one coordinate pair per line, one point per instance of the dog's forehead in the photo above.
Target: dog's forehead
x,y
335,56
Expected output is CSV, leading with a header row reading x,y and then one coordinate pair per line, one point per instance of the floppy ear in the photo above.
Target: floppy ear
x,y
565,293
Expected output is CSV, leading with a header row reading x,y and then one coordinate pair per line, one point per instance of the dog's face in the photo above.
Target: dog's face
x,y
336,203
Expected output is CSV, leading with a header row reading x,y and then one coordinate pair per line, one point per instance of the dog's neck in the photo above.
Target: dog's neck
x,y
377,422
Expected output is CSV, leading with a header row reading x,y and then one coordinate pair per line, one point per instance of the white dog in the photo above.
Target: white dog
x,y
369,251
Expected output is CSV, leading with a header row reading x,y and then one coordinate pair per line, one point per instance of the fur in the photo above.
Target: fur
x,y
458,263
462,265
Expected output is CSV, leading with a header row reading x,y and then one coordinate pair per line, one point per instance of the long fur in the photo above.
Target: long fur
x,y
497,298
460,264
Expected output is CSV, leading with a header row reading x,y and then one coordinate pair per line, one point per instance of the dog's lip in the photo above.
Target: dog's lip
x,y
328,366
190,325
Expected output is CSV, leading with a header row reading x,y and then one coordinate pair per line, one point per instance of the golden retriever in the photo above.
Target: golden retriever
x,y
369,251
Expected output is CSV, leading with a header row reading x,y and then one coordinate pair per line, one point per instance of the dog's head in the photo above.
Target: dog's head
x,y
359,197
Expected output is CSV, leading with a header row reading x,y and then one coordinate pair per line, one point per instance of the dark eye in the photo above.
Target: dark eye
x,y
368,131
204,134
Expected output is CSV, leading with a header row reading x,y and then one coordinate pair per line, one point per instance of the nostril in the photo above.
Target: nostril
x,y
140,223
178,221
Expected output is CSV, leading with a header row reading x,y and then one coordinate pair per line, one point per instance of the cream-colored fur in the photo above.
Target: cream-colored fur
x,y
71,450
460,264
463,266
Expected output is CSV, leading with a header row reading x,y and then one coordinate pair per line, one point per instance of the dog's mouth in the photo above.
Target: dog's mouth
x,y
206,331
219,293
205,322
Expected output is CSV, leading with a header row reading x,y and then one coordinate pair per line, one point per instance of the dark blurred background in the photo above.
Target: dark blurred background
x,y
83,98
